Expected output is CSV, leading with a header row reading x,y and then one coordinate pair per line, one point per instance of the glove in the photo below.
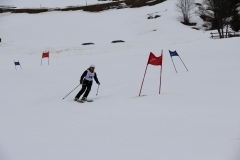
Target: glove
x,y
98,83
80,82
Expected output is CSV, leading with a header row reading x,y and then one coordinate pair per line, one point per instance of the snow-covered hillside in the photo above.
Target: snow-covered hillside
x,y
47,3
196,117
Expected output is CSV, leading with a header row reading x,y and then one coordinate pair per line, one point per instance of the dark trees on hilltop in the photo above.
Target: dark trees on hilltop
x,y
222,13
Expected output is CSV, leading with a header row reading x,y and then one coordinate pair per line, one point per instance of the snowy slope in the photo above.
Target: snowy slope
x,y
47,3
196,117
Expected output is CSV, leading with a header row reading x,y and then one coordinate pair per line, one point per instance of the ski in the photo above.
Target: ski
x,y
91,100
83,101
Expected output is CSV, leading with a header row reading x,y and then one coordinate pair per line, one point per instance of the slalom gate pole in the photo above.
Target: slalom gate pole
x,y
71,91
183,63
174,65
143,80
97,90
161,75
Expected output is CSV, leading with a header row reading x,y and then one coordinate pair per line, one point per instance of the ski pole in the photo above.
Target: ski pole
x,y
71,91
97,90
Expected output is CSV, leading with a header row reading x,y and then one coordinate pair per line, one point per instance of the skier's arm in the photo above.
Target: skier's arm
x,y
83,75
96,79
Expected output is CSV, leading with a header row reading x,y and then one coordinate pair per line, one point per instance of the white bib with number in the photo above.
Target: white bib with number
x,y
90,75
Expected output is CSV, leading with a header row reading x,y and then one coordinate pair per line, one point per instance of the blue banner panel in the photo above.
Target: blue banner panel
x,y
16,63
173,53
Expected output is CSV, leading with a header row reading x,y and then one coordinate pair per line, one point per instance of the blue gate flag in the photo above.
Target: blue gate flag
x,y
174,53
17,63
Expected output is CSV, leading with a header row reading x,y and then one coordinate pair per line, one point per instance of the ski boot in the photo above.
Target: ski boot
x,y
84,99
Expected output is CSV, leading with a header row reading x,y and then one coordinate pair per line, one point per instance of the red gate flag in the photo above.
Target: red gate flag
x,y
45,55
156,61
153,60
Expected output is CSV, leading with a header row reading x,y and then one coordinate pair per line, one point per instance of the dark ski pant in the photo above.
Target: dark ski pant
x,y
86,87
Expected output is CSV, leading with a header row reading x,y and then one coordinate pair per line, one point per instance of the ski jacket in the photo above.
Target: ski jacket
x,y
88,75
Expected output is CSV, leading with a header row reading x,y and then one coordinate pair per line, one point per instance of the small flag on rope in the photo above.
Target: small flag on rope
x,y
17,64
45,55
174,53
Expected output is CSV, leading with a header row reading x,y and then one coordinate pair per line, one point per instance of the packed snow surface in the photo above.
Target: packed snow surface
x,y
196,116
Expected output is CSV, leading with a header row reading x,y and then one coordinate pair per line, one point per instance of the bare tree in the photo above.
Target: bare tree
x,y
186,8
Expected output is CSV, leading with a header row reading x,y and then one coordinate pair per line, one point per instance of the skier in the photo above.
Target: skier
x,y
86,81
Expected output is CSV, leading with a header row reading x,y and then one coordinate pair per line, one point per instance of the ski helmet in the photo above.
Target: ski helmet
x,y
92,66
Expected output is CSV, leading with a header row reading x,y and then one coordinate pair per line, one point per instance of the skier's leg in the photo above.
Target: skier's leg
x,y
81,91
89,86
